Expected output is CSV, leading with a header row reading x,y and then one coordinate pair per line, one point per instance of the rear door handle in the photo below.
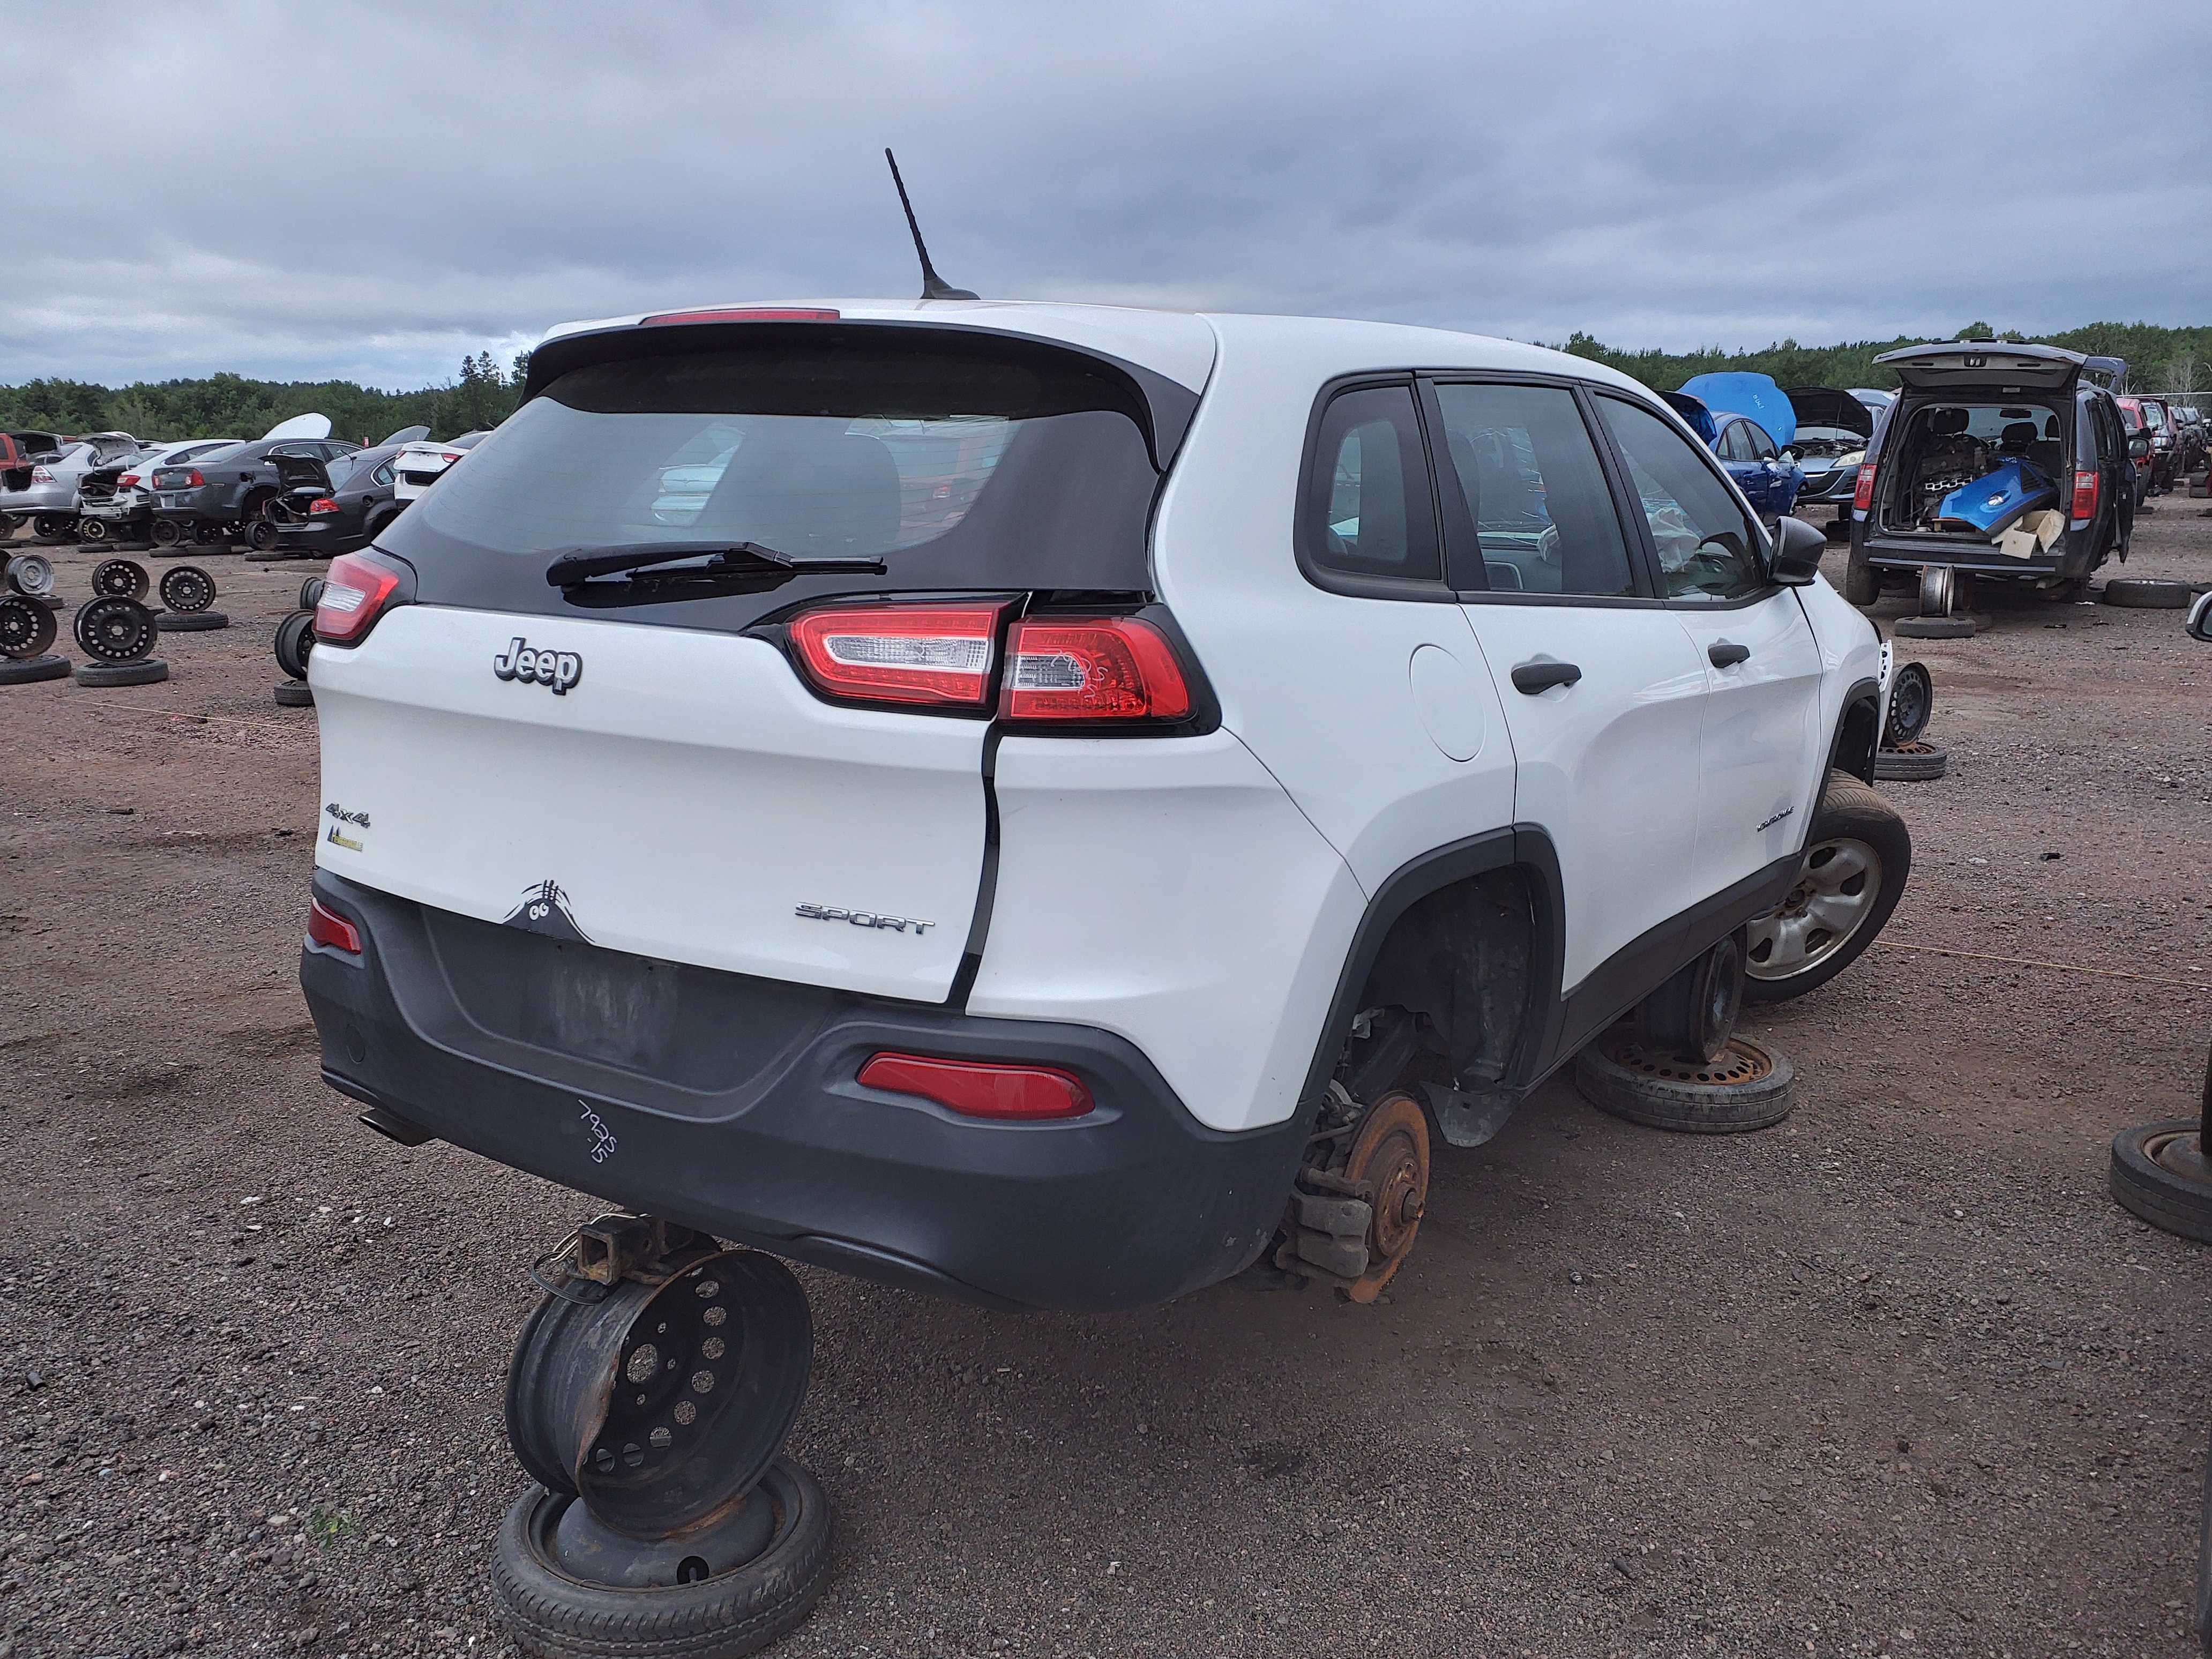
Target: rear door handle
x,y
1532,677
1724,655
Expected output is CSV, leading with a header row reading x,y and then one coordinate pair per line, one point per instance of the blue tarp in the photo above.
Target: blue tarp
x,y
1756,395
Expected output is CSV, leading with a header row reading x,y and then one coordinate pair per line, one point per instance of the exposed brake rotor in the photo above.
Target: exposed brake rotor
x,y
1390,1155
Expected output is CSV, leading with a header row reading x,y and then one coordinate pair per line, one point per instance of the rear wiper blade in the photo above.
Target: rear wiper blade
x,y
579,565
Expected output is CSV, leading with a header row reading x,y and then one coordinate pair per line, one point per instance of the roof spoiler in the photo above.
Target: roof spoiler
x,y
2111,372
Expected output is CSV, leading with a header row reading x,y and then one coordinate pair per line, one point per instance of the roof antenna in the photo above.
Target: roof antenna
x,y
933,287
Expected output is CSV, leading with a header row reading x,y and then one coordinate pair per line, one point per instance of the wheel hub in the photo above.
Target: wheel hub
x,y
1835,895
1390,1154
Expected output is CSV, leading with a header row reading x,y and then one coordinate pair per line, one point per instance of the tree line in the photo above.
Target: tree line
x,y
230,406
2158,359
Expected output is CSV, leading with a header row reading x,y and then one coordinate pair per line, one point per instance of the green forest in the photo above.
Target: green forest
x,y
231,406
483,394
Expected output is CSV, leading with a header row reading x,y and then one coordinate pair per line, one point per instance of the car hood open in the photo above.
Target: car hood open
x,y
1824,405
1739,392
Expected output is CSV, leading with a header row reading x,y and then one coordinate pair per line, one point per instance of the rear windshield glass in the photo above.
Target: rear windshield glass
x,y
958,465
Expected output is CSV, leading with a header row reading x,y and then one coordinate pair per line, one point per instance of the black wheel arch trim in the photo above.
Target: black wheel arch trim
x,y
1863,693
1523,845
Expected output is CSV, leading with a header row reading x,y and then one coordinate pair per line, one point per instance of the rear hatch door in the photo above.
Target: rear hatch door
x,y
1986,364
641,763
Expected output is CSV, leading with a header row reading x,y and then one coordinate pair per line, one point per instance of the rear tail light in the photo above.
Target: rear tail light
x,y
2085,496
1863,495
322,504
977,1088
748,314
939,655
128,481
42,475
355,592
329,928
453,455
192,481
1092,668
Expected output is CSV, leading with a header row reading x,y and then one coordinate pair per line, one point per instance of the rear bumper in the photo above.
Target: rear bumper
x,y
2071,557
1131,1204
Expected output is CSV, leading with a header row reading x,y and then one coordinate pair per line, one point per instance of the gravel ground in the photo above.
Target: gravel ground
x,y
1896,1377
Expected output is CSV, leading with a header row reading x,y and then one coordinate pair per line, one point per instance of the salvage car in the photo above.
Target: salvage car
x,y
116,502
46,497
337,519
2135,423
1834,430
230,491
1297,725
422,464
1749,424
1998,460
2163,453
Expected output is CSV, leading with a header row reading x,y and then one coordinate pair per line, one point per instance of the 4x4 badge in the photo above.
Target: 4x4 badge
x,y
559,669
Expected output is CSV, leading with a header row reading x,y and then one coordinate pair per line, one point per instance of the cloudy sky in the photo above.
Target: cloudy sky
x,y
369,191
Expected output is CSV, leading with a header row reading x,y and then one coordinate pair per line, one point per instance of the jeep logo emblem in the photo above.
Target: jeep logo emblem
x,y
558,669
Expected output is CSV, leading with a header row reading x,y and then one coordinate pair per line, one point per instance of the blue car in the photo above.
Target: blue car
x,y
1748,421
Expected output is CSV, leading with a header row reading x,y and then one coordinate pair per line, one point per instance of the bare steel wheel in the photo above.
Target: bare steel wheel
x,y
1390,1153
1856,861
1831,901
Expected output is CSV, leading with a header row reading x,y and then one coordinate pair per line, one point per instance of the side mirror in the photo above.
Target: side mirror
x,y
2200,618
1788,458
2138,447
1795,559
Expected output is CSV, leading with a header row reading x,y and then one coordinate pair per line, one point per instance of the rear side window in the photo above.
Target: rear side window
x,y
1707,548
959,465
1367,510
1543,516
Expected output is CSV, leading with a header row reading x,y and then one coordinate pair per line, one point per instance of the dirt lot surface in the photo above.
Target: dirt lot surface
x,y
1896,1377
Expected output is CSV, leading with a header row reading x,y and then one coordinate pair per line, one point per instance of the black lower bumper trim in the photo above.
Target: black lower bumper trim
x,y
1133,1204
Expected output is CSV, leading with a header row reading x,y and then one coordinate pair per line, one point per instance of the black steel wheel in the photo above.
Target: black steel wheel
x,y
1747,1086
261,535
1693,1014
119,579
93,531
27,628
51,527
185,587
295,638
1911,703
311,592
661,1404
166,533
115,629
683,1605
211,535
30,574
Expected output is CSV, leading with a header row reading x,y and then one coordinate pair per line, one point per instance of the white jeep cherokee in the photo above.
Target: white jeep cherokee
x,y
987,796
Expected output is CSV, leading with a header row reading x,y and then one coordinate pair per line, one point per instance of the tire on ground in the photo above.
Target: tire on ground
x,y
145,671
2147,594
294,694
551,1615
2147,1189
1849,810
1748,1087
1862,581
1934,627
1912,763
189,622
